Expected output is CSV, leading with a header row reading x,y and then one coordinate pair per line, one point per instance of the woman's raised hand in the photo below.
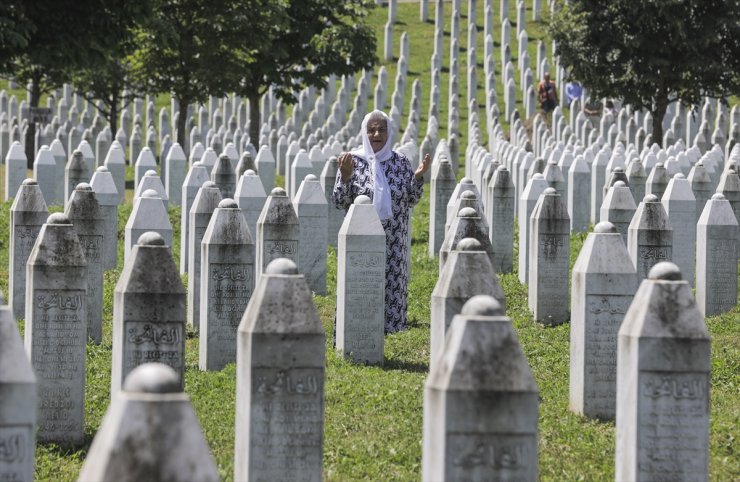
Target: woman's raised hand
x,y
346,165
423,167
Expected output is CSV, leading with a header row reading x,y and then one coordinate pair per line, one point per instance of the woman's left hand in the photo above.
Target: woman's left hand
x,y
423,167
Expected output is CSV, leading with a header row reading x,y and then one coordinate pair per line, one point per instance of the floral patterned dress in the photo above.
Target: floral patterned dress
x,y
406,191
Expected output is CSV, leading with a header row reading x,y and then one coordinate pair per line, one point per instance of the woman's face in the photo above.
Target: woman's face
x,y
377,132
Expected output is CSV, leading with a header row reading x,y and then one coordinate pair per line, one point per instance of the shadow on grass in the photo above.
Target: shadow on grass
x,y
392,364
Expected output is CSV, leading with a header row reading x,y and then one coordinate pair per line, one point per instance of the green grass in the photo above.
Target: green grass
x,y
373,418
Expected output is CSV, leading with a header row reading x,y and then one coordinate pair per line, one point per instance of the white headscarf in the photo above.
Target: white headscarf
x,y
381,190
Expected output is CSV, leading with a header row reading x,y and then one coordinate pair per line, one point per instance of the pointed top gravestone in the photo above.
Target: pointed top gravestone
x,y
150,432
196,177
312,209
680,206
278,230
663,365
15,169
75,172
144,162
148,312
104,186
152,181
619,208
443,185
176,171
148,214
116,164
18,402
45,173
265,165
649,236
467,224
224,177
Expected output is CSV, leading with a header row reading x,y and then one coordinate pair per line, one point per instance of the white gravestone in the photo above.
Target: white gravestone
x,y
84,212
265,165
468,272
152,181
105,192
336,215
206,201
527,202
15,169
716,257
480,402
549,252
619,208
467,224
657,180
701,186
224,177
278,231
680,206
145,162
281,360
443,185
300,167
226,284
250,196
500,207
148,312
650,236
18,402
148,214
56,330
115,161
313,210
361,261
197,176
45,172
579,200
150,432
176,170
604,282
663,364
27,214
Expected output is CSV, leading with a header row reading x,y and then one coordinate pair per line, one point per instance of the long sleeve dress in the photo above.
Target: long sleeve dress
x,y
406,191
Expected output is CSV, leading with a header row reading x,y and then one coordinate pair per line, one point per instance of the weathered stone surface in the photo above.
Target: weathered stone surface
x,y
300,167
604,283
206,201
152,181
468,272
549,252
281,360
361,261
115,161
265,164
18,402
467,224
657,181
663,365
716,257
27,214
278,231
145,161
148,312
84,213
148,214
45,173
224,177
150,432
579,195
104,186
15,169
226,284
312,209
481,404
500,208
56,330
650,236
75,172
336,215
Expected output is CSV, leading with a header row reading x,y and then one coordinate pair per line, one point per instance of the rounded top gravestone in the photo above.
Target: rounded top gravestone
x,y
30,182
152,378
83,186
363,200
278,192
718,197
282,266
58,218
550,191
151,238
665,271
467,213
150,173
482,305
605,227
150,193
469,244
228,203
310,177
250,172
469,196
651,198
620,184
101,169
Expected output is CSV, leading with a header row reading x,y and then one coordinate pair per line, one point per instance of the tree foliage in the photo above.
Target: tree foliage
x,y
307,41
651,52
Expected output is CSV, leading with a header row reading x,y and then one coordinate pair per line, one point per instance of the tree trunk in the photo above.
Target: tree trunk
x,y
661,105
113,114
31,131
182,121
254,119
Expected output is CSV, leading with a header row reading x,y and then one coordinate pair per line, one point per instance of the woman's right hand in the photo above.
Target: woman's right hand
x,y
346,166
